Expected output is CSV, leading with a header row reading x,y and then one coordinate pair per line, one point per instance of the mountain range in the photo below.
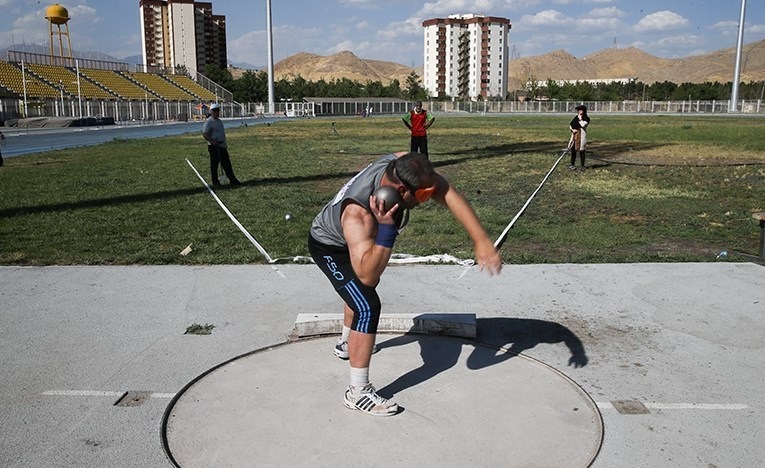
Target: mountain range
x,y
605,64
612,63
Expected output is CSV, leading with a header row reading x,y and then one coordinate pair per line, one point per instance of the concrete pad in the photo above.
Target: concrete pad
x,y
463,325
282,406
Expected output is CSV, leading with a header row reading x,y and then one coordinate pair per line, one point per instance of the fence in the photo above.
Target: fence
x,y
625,107
122,111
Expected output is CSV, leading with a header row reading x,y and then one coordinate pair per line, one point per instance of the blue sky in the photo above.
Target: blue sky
x,y
391,30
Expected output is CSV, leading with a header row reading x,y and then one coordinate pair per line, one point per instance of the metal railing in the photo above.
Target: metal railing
x,y
146,110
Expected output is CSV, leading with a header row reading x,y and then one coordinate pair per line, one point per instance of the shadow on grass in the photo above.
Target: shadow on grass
x,y
154,196
486,152
510,149
490,348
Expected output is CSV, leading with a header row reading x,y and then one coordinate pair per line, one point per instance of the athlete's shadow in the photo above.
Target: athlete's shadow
x,y
511,335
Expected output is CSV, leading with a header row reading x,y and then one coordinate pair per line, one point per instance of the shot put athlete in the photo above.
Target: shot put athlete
x,y
351,240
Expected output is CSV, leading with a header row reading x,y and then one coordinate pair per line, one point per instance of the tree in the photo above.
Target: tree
x,y
251,87
219,75
182,70
393,89
413,89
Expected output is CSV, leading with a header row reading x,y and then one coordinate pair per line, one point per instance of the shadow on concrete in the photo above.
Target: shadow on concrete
x,y
516,335
509,336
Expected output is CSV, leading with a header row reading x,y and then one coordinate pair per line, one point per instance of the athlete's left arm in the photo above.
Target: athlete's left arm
x,y
430,119
487,256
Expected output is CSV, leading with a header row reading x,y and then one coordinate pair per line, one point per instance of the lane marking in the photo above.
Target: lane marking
x,y
82,393
99,393
237,223
606,405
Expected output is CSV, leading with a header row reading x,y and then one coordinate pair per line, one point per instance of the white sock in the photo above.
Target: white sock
x,y
346,333
359,376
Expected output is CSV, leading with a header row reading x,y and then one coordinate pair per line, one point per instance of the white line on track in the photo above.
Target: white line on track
x,y
99,393
606,405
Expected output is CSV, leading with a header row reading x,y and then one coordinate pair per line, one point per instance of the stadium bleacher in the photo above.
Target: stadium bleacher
x,y
160,87
119,85
11,78
192,87
62,77
45,81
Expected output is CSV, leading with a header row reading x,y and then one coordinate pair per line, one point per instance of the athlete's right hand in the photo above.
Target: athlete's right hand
x,y
378,210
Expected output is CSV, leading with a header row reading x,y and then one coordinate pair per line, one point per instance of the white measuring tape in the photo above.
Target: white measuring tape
x,y
237,223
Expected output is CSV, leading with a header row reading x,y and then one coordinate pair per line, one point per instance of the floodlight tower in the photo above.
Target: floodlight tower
x,y
58,15
269,33
733,105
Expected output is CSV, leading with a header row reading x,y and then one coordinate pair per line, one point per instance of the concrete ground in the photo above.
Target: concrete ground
x,y
670,355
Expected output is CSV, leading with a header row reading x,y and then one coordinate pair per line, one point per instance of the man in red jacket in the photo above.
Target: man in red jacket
x,y
418,121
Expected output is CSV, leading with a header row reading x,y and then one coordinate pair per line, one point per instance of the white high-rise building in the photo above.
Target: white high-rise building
x,y
466,56
182,32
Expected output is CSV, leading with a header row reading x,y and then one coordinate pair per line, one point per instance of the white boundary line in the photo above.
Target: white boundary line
x,y
236,221
607,405
502,237
100,393
603,405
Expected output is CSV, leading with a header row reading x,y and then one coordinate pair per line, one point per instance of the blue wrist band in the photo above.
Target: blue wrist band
x,y
386,235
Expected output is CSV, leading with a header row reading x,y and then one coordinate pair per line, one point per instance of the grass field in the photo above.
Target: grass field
x,y
659,189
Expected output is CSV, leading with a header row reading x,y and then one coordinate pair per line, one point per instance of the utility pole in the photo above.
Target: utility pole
x,y
733,105
271,108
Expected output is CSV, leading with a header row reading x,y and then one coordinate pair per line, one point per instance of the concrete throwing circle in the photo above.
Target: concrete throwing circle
x,y
462,406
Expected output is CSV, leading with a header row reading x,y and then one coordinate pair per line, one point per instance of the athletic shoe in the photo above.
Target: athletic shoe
x,y
571,167
341,349
582,169
367,400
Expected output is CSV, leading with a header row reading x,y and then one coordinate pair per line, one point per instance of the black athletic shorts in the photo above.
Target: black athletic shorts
x,y
335,263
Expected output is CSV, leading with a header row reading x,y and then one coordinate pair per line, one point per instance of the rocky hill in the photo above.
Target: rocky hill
x,y
344,64
557,65
634,63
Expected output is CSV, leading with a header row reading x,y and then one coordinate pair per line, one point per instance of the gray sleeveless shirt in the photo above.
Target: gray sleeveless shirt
x,y
326,227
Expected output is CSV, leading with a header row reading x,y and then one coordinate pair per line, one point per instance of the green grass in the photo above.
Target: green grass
x,y
662,188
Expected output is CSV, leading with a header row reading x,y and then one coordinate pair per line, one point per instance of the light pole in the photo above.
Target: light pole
x,y
271,107
24,83
79,93
61,89
733,105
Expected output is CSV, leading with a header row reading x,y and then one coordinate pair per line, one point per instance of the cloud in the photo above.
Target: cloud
x,y
546,18
576,2
252,47
661,21
609,12
449,7
675,46
84,14
358,3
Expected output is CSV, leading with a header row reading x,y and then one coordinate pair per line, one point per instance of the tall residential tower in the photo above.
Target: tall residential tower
x,y
182,32
466,56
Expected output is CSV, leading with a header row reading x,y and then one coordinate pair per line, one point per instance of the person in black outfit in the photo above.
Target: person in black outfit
x,y
2,138
578,141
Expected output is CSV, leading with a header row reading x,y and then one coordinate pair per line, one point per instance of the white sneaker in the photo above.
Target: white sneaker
x,y
341,349
367,400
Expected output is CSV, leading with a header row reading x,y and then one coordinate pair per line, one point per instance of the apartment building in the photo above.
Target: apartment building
x,y
466,56
182,32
